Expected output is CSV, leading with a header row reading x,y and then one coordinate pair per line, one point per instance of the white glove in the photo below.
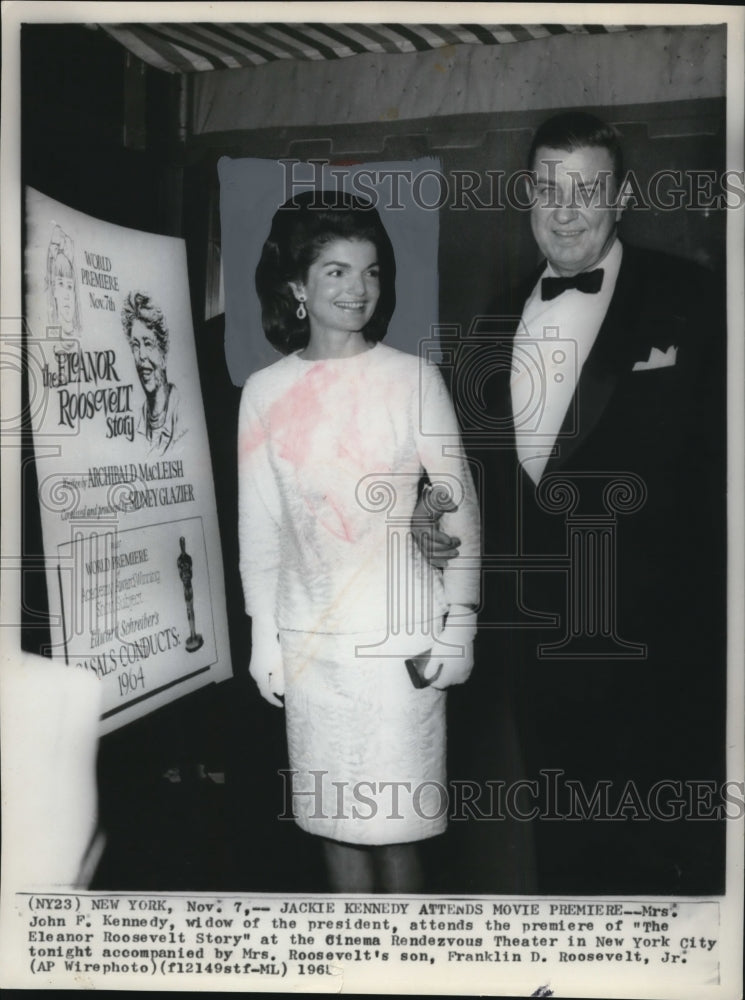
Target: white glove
x,y
451,658
266,662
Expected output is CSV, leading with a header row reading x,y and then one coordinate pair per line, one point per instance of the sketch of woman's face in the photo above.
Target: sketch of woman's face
x,y
149,356
63,290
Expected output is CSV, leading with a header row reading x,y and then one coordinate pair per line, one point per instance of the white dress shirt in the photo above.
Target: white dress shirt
x,y
551,345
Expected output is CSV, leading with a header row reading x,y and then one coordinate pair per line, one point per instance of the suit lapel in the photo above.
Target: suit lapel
x,y
611,355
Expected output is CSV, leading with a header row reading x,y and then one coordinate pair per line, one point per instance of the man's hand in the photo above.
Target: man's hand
x,y
437,547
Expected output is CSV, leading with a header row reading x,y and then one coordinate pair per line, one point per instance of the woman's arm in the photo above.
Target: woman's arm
x,y
451,497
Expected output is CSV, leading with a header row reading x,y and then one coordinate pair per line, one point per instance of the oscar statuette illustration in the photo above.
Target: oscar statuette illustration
x,y
184,563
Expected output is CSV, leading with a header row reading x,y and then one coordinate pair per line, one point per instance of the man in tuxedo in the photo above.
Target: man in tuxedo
x,y
601,452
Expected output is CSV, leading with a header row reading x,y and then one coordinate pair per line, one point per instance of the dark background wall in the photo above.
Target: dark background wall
x,y
98,127
105,134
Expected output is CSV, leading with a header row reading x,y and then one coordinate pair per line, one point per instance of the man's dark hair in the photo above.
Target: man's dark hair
x,y
300,229
572,130
138,306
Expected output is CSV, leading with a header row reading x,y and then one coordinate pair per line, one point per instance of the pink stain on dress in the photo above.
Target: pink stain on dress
x,y
298,426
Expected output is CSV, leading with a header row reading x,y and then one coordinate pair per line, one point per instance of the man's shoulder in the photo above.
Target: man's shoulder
x,y
664,288
666,296
659,269
666,262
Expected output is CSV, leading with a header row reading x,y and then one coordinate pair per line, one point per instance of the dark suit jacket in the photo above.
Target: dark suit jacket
x,y
664,426
645,700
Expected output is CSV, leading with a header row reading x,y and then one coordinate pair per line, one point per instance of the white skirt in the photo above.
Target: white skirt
x,y
366,747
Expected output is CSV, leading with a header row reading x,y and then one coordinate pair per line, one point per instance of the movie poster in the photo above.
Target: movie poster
x,y
132,551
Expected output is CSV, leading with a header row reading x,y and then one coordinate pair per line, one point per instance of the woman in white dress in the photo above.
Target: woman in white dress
x,y
352,629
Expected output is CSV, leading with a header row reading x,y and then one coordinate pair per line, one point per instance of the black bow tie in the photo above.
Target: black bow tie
x,y
586,281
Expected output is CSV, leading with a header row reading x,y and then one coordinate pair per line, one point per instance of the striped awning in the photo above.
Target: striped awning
x,y
187,47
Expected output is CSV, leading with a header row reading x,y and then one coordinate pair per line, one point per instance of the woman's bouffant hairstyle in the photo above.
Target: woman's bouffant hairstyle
x,y
300,229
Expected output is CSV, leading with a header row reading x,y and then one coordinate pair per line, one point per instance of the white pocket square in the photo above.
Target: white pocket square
x,y
657,359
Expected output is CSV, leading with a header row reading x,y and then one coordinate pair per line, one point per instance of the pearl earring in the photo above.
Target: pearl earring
x,y
301,311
